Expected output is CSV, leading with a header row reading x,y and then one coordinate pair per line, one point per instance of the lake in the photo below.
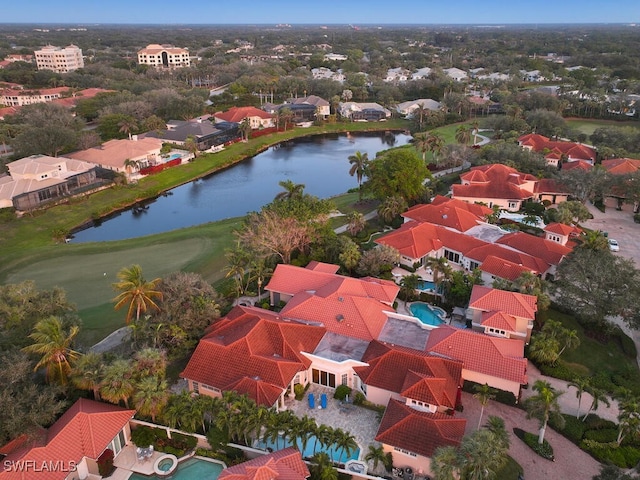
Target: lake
x,y
319,162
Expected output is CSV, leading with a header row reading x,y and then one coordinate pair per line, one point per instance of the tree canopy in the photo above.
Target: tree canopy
x,y
397,172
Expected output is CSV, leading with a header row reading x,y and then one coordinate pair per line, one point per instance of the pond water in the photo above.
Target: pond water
x,y
319,162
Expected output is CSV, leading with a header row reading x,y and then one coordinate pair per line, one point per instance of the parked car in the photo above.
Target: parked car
x,y
613,245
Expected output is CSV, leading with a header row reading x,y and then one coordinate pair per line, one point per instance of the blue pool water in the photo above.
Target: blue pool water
x,y
424,285
174,156
336,454
427,314
191,469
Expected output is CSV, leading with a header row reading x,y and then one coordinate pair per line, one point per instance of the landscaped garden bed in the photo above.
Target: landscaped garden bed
x,y
544,449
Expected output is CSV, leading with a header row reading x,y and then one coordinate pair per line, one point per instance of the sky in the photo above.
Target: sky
x,y
340,12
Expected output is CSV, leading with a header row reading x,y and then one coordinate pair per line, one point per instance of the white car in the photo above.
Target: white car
x,y
613,245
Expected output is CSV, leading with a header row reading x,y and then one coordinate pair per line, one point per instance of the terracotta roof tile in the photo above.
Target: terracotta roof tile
x,y
449,212
501,268
270,349
578,164
512,303
499,320
621,166
238,114
413,374
493,356
550,252
84,430
418,432
284,464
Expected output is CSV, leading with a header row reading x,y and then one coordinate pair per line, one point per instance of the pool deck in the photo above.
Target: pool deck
x,y
360,422
127,463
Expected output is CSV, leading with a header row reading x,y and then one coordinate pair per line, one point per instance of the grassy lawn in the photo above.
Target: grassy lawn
x,y
587,126
594,358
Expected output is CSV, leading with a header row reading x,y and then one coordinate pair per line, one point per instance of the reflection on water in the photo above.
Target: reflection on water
x,y
319,162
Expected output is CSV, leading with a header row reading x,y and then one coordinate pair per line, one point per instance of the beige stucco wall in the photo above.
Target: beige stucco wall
x,y
495,382
402,460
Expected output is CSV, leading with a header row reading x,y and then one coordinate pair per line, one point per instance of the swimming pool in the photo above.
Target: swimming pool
x,y
191,469
426,286
428,314
335,453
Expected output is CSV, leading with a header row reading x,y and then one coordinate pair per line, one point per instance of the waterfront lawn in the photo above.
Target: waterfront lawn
x,y
588,126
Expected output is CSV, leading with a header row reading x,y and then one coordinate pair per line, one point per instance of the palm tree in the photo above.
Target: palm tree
x,y
130,165
543,348
391,207
286,115
543,405
118,382
594,240
421,142
53,342
445,463
436,143
321,468
628,418
439,266
597,395
323,436
291,190
245,129
582,384
151,362
237,262
496,426
421,111
409,285
376,455
191,144
474,127
356,223
306,427
483,455
260,271
345,442
359,162
87,372
483,394
151,397
127,125
136,292
463,134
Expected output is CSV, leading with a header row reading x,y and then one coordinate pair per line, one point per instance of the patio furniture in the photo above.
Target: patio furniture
x,y
312,401
323,400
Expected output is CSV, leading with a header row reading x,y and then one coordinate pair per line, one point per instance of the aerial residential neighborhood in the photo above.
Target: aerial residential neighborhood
x,y
309,250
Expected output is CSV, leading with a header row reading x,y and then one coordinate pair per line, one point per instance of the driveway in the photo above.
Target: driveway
x,y
619,225
570,462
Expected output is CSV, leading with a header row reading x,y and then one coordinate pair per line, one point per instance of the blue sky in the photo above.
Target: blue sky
x,y
322,11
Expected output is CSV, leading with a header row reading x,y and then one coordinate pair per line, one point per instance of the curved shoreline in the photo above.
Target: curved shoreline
x,y
218,169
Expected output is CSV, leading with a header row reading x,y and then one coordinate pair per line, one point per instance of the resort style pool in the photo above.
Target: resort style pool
x,y
335,453
191,469
428,314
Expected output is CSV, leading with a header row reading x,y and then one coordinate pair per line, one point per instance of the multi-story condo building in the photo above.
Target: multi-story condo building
x,y
58,59
164,56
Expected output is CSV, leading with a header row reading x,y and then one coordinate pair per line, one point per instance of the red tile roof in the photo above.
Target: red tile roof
x,y
290,280
562,229
530,262
578,164
499,320
492,356
550,252
418,432
575,151
85,430
548,185
621,166
412,374
284,464
252,343
449,212
413,239
512,303
494,181
238,114
322,267
501,268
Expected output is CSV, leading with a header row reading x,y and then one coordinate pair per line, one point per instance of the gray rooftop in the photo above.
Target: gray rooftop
x,y
404,333
486,232
340,348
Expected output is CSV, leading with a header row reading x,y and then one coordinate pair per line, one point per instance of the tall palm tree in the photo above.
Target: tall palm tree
x,y
130,165
628,418
474,127
463,134
440,268
291,190
53,342
151,397
597,395
436,143
191,144
118,383
581,384
445,463
127,126
286,115
306,427
345,442
420,111
496,426
321,468
87,372
245,129
359,162
323,436
421,142
483,394
356,224
237,264
136,292
543,405
391,207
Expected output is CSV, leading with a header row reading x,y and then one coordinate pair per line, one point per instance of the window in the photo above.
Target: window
x,y
406,452
452,256
473,265
324,378
196,387
345,379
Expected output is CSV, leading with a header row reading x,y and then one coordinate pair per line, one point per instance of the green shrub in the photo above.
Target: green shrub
x,y
573,427
559,370
501,396
183,442
631,455
594,422
359,398
606,435
217,438
298,390
341,392
544,450
173,451
605,452
144,436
